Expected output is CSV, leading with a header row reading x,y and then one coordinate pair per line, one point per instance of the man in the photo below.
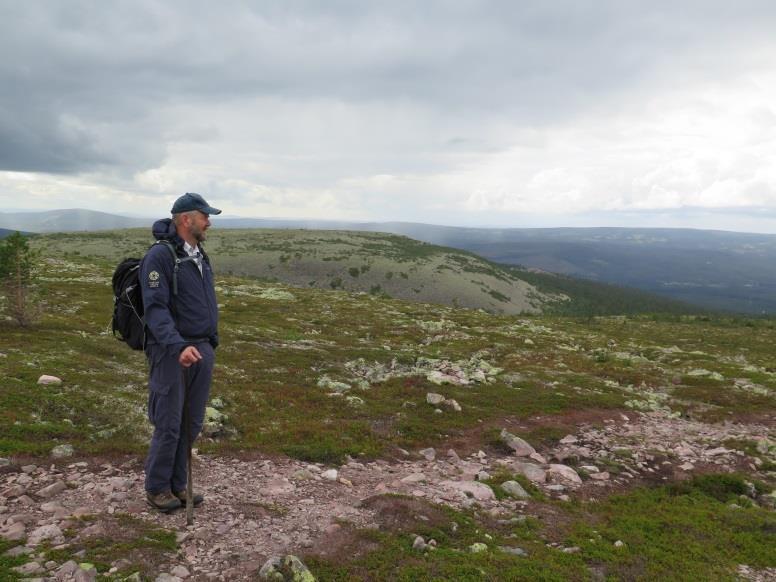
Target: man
x,y
181,316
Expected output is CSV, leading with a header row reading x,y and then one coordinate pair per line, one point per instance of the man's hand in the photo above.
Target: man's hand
x,y
190,355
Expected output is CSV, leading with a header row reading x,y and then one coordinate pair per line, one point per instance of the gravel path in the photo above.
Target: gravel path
x,y
259,508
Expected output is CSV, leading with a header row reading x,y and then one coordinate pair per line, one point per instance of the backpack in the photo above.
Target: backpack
x,y
128,299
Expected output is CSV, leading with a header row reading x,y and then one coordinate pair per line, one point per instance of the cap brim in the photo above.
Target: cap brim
x,y
210,210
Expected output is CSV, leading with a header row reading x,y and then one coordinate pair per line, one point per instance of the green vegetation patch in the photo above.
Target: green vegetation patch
x,y
143,545
7,563
665,533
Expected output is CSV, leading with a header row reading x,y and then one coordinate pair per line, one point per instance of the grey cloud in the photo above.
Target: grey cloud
x,y
88,85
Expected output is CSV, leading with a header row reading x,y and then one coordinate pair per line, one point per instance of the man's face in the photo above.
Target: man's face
x,y
200,222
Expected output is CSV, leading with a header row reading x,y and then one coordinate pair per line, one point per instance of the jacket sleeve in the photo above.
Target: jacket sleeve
x,y
156,271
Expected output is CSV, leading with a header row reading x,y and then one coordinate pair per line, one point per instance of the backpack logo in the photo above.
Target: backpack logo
x,y
153,279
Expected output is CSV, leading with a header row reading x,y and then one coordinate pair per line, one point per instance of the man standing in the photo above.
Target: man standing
x,y
181,317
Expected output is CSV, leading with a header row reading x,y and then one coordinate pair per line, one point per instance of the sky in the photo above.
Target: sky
x,y
460,112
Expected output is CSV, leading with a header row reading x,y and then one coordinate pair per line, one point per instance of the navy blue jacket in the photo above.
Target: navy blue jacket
x,y
176,321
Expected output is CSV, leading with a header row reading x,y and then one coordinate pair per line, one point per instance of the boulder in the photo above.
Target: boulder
x,y
52,490
46,379
13,533
530,471
419,544
434,399
514,489
518,445
563,474
50,533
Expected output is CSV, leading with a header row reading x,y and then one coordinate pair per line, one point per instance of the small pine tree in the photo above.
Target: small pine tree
x,y
17,260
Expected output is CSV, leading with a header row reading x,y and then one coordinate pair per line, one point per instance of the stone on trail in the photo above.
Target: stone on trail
x,y
518,445
50,533
180,572
453,404
51,507
14,491
302,475
414,478
62,451
13,533
165,577
278,486
601,476
434,399
478,547
52,490
46,379
4,462
515,489
428,454
478,491
330,475
568,440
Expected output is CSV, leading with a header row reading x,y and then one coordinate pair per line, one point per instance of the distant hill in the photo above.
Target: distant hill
x,y
66,221
382,265
376,263
711,269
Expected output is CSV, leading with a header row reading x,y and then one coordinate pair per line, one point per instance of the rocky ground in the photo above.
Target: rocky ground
x,y
258,508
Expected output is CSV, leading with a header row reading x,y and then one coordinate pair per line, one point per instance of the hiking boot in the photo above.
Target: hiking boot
x,y
164,501
181,495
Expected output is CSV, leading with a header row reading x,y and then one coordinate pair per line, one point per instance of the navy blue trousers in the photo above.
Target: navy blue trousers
x,y
165,467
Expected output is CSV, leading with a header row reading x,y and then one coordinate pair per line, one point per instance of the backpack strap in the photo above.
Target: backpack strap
x,y
176,261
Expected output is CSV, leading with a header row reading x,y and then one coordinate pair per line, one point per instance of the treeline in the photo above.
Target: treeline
x,y
590,298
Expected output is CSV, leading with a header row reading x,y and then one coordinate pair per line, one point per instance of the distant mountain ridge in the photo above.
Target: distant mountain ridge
x,y
713,269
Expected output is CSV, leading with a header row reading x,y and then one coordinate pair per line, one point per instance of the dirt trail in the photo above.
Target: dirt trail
x,y
258,508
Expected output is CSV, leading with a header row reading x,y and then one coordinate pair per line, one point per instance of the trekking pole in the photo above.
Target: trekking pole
x,y
189,480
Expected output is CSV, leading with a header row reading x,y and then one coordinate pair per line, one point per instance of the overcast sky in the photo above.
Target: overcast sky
x,y
463,112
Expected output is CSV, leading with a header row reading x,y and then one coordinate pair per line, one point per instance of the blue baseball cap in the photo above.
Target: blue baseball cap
x,y
191,201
